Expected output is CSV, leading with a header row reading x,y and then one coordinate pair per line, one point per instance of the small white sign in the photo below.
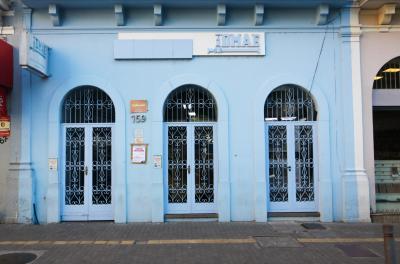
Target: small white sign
x,y
34,55
139,136
139,140
139,133
211,43
157,161
53,164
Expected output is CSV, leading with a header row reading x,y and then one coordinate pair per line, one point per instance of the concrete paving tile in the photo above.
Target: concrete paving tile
x,y
356,251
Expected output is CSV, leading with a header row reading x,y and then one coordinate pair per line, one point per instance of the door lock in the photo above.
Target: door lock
x,y
289,168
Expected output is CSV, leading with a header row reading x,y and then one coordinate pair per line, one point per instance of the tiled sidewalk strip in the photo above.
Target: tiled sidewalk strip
x,y
69,242
132,242
201,241
189,241
342,240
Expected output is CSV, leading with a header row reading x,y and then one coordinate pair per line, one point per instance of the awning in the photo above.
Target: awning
x,y
6,65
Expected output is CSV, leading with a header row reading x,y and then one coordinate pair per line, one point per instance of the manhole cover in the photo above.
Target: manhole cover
x,y
356,251
17,258
313,226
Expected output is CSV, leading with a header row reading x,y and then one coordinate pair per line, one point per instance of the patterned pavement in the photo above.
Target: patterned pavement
x,y
196,242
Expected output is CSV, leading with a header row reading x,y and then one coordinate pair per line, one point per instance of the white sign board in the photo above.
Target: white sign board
x,y
53,164
157,161
138,153
34,55
211,43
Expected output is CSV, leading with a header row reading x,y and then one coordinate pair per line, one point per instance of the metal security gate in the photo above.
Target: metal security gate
x,y
87,173
191,168
87,160
190,116
291,167
292,177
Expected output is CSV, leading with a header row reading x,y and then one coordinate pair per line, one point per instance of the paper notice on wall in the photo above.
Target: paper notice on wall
x,y
53,164
157,161
138,153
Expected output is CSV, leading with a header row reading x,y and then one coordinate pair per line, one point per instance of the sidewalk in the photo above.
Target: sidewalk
x,y
196,242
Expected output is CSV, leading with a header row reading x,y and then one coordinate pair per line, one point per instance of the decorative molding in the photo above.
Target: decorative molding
x,y
119,15
27,18
5,11
322,14
350,28
350,35
54,13
158,15
7,30
5,5
385,14
221,15
258,15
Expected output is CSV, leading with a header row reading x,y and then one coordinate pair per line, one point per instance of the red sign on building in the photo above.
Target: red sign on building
x,y
6,83
6,65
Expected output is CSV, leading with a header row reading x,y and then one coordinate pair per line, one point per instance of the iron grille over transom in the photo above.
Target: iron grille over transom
x,y
290,103
88,104
389,75
190,103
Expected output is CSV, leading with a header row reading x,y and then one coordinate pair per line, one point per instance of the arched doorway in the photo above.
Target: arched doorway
x,y
190,116
290,119
386,128
88,118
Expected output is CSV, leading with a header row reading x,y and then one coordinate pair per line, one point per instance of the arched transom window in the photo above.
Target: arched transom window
x,y
290,103
88,104
190,103
389,75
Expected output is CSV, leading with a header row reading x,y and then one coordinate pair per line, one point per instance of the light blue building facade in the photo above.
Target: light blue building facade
x,y
242,111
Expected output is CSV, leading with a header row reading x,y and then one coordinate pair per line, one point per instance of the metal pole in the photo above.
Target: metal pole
x,y
389,245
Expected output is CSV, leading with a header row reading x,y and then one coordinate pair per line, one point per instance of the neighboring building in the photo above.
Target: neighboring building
x,y
11,108
143,110
380,60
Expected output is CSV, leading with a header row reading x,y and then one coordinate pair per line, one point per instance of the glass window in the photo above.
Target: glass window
x,y
388,76
190,103
290,103
88,104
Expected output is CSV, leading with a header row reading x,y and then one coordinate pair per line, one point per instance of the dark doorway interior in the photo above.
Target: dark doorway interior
x,y
387,158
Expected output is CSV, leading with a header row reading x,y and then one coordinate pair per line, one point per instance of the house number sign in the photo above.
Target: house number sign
x,y
139,109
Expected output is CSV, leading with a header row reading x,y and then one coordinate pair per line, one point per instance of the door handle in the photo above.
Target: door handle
x,y
289,168
86,171
188,169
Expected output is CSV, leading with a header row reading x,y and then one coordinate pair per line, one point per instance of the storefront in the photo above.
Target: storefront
x,y
6,84
151,112
381,83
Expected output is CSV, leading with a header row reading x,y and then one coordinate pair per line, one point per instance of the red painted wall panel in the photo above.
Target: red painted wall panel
x,y
6,65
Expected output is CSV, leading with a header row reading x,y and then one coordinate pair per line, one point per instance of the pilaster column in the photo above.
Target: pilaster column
x,y
355,187
20,183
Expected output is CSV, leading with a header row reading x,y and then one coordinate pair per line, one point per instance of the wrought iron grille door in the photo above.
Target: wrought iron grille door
x,y
190,169
87,173
291,167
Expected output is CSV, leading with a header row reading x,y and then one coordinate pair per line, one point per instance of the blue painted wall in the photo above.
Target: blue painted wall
x,y
83,46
